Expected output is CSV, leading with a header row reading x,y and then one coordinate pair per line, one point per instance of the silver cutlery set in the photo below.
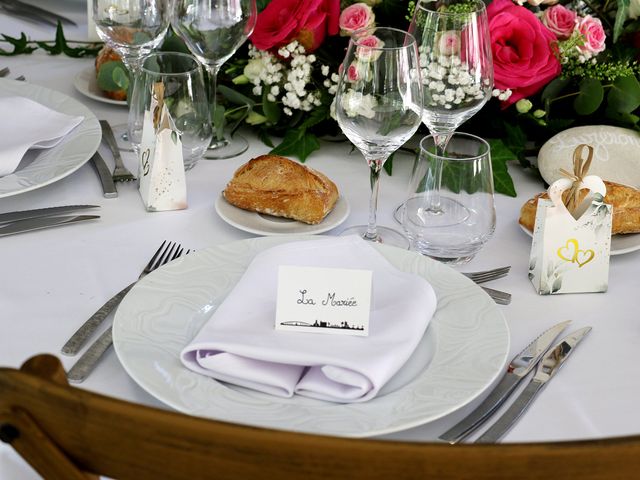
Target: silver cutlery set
x,y
120,172
167,252
537,355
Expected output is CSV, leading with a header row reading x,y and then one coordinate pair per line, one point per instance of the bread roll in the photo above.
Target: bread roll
x,y
108,55
281,187
625,201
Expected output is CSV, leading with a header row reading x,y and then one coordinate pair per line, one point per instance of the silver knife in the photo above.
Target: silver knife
x,y
40,223
87,362
518,368
41,212
108,186
547,368
34,13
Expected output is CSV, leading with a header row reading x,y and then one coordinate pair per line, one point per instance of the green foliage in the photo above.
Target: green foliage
x,y
112,76
589,97
500,155
297,142
59,46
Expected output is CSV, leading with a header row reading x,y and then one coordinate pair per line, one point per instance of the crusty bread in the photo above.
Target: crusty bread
x,y
108,55
625,201
281,187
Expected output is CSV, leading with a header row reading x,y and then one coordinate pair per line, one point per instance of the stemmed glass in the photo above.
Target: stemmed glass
x,y
133,28
378,107
456,65
213,30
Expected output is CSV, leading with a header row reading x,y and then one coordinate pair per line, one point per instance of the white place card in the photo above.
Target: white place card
x,y
323,300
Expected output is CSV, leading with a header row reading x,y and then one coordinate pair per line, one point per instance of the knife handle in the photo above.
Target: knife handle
x,y
88,361
108,186
79,338
513,413
477,417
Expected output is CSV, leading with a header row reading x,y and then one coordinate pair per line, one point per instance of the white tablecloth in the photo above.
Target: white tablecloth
x,y
52,280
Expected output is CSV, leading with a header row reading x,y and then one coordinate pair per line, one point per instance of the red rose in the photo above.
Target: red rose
x,y
523,57
308,21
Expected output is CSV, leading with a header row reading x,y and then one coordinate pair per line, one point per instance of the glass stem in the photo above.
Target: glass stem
x,y
217,123
433,194
133,63
374,175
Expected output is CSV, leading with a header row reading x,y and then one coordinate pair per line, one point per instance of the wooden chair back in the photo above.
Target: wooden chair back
x,y
67,433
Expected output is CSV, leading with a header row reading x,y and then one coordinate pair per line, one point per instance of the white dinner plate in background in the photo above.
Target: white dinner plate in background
x,y
262,224
462,353
86,83
43,167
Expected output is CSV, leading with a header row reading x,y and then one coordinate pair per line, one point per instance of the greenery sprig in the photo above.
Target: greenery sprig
x,y
23,45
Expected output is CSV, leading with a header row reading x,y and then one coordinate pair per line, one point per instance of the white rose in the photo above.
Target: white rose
x,y
253,69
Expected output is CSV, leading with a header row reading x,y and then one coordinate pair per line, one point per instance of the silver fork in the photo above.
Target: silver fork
x,y
120,172
488,275
89,359
164,254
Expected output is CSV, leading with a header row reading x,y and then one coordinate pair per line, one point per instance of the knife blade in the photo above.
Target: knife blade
x,y
41,212
547,369
518,368
40,223
108,186
89,359
32,12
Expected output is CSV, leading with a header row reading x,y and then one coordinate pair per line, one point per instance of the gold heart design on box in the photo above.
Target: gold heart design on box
x,y
584,256
569,252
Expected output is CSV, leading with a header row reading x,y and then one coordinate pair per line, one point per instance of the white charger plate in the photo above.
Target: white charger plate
x,y
620,244
85,82
262,224
462,353
43,167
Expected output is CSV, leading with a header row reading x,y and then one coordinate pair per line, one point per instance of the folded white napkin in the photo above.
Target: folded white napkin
x,y
26,124
240,345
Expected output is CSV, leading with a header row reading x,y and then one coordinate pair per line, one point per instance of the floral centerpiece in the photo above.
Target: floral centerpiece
x,y
557,64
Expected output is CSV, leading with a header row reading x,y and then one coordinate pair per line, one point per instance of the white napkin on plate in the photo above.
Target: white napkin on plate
x,y
26,124
240,345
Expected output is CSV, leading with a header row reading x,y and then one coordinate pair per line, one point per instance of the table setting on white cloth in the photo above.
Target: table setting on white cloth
x,y
53,279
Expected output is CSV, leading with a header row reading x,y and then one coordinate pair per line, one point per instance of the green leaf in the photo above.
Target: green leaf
x,y
20,45
112,76
590,97
554,88
388,165
299,143
624,96
270,109
266,139
621,17
316,116
218,121
234,96
623,118
500,155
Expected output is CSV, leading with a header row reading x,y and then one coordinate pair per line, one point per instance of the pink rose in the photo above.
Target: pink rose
x,y
308,21
593,35
448,43
357,70
368,48
355,17
560,20
523,58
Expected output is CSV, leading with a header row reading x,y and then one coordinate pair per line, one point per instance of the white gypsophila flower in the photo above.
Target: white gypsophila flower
x,y
324,69
355,103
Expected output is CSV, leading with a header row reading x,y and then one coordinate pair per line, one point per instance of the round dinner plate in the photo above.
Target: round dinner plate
x,y
43,167
620,244
85,82
462,353
262,224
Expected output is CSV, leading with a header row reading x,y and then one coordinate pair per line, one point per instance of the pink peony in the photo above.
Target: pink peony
x,y
355,17
308,21
593,35
523,59
560,20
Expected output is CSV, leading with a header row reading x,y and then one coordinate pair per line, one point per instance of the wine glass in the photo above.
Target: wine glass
x,y
378,106
133,28
456,65
213,30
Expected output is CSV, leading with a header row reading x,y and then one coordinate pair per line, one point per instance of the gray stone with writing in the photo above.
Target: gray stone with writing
x,y
616,153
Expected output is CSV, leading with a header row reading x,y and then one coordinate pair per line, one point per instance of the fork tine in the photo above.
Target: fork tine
x,y
488,274
155,256
166,256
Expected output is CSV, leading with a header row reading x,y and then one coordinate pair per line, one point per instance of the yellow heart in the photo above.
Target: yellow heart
x,y
584,256
569,252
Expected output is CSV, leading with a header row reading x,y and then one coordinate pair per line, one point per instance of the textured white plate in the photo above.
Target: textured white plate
x,y
262,224
42,167
620,244
462,353
86,83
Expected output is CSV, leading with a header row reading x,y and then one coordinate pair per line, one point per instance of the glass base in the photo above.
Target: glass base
x,y
228,147
385,236
121,132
